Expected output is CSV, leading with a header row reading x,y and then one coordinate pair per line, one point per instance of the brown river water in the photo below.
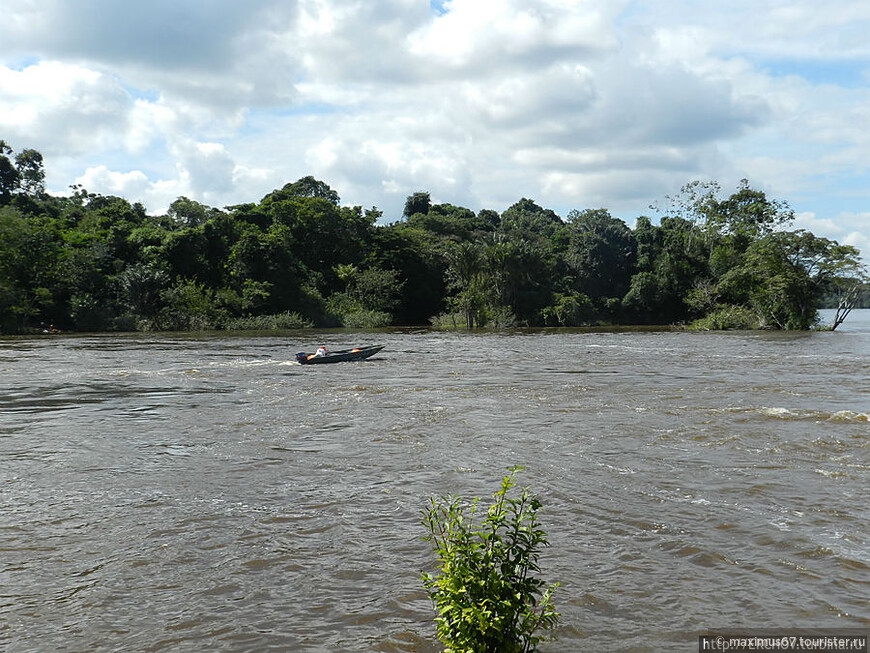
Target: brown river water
x,y
203,492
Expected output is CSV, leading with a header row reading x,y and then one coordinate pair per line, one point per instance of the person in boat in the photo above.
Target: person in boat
x,y
302,356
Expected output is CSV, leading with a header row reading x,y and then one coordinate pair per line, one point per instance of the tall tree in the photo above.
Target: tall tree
x,y
602,253
747,214
311,187
419,202
846,291
465,274
190,213
9,175
520,278
31,173
418,258
452,222
530,221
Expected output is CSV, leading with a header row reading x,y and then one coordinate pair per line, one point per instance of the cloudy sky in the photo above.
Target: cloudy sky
x,y
573,103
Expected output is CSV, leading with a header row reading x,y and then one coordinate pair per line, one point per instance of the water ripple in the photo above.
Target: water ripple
x,y
203,493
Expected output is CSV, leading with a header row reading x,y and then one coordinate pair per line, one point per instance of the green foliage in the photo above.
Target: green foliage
x,y
369,297
602,254
418,259
376,289
486,596
187,306
279,321
31,175
466,279
95,262
418,203
520,274
9,176
450,222
140,286
530,221
88,313
189,213
26,175
784,276
449,320
726,318
366,319
311,187
569,309
747,214
501,317
844,294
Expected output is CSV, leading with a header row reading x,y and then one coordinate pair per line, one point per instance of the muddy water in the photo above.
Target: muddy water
x,y
204,492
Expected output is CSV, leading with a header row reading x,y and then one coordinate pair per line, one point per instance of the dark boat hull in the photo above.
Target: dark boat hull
x,y
341,356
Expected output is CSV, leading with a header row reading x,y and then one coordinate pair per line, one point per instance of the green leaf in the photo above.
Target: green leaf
x,y
484,595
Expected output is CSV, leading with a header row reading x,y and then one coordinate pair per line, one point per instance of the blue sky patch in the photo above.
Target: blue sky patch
x,y
22,63
141,94
846,73
438,6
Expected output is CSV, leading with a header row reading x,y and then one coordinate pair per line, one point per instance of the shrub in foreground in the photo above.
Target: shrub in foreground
x,y
485,595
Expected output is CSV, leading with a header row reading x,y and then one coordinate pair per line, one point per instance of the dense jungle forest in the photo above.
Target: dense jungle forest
x,y
298,257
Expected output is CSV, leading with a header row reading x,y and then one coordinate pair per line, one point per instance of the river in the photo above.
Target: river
x,y
193,492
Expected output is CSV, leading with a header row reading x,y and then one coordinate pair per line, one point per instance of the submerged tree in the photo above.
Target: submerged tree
x,y
486,595
789,273
847,291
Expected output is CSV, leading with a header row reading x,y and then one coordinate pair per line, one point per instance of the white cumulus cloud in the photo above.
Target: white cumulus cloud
x,y
574,103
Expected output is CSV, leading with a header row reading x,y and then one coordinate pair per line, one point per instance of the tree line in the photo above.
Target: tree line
x,y
298,257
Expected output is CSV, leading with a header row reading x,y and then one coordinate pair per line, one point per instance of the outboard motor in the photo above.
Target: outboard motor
x,y
301,357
